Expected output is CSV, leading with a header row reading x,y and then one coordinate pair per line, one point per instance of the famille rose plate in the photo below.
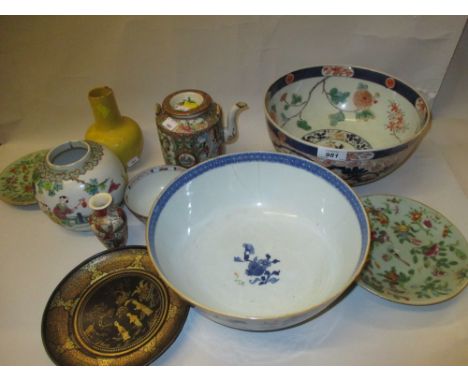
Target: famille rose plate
x,y
112,310
16,180
417,256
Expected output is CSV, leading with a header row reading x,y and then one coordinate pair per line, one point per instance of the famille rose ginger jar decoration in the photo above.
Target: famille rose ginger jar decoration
x,y
108,221
120,134
70,174
190,127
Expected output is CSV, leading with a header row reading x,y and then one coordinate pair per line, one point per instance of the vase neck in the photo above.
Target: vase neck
x,y
100,203
104,106
100,213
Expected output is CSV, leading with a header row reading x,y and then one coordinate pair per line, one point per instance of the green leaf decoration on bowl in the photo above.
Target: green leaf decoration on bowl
x,y
365,114
338,97
302,124
336,118
295,99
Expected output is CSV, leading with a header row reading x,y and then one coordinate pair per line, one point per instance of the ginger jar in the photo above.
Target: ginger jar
x,y
70,174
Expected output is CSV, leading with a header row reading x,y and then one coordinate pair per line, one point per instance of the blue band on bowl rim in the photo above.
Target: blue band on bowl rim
x,y
360,73
286,159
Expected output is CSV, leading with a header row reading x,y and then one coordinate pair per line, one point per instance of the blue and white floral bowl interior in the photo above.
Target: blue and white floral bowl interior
x,y
258,241
359,123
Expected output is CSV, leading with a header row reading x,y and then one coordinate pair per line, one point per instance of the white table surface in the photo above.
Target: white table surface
x,y
362,329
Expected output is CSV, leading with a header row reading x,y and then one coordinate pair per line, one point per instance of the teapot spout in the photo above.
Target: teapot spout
x,y
231,131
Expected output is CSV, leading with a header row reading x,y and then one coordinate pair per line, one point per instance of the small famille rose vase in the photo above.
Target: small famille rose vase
x,y
108,221
190,127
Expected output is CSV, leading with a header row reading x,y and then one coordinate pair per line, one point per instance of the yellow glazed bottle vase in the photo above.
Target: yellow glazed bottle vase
x,y
119,133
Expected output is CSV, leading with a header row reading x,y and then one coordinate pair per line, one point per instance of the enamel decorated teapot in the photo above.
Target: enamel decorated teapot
x,y
190,127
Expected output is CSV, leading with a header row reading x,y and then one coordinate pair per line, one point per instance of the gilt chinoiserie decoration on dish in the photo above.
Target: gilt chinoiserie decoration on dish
x,y
16,180
191,129
70,174
357,122
112,310
417,256
120,134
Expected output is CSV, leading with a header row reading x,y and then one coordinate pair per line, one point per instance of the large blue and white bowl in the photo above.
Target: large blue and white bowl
x,y
258,241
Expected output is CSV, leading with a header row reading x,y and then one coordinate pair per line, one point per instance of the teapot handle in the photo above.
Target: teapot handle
x,y
157,108
231,130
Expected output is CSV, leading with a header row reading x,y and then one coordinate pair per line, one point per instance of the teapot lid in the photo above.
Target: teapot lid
x,y
186,103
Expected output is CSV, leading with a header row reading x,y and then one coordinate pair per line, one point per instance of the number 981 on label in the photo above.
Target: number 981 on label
x,y
331,154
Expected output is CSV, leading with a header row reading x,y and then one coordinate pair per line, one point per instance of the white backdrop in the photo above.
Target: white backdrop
x,y
47,67
50,63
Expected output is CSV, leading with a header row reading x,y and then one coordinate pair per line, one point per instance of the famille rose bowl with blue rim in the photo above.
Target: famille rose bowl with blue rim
x,y
258,241
357,122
